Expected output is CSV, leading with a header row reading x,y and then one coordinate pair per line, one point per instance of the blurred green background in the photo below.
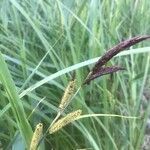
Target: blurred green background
x,y
41,41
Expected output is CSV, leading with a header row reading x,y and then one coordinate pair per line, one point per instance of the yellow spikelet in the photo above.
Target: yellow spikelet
x,y
65,120
36,136
68,94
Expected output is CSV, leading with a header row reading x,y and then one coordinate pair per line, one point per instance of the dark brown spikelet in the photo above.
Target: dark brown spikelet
x,y
99,70
118,48
103,71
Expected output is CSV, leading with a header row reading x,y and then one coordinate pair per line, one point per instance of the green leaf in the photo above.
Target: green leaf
x,y
15,102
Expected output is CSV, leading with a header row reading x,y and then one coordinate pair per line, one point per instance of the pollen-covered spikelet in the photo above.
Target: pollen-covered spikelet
x,y
65,120
36,136
67,94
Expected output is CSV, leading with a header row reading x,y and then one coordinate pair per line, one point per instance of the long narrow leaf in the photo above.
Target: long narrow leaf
x,y
16,104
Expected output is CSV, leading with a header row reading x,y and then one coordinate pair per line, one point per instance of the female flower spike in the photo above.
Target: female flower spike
x,y
99,69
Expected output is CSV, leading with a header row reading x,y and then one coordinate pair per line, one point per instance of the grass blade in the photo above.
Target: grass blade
x,y
16,104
